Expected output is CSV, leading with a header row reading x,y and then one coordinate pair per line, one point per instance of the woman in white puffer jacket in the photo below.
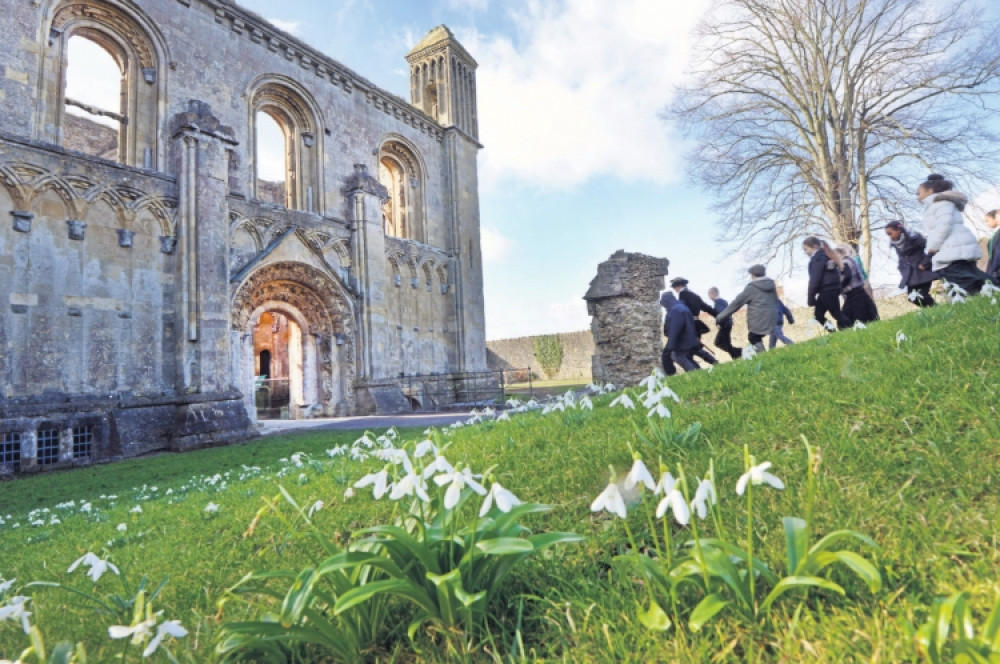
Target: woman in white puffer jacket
x,y
950,244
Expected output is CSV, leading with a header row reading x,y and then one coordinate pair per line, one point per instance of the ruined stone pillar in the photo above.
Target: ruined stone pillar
x,y
623,301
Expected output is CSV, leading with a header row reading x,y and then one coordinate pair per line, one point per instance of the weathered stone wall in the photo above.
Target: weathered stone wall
x,y
519,353
623,301
131,284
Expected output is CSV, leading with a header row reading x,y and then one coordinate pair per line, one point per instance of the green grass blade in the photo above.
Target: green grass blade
x,y
790,582
707,608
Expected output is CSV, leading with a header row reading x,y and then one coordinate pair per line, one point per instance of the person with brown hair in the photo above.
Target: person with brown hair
x,y
950,244
914,263
825,275
858,304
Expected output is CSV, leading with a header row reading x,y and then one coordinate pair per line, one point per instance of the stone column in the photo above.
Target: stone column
x,y
627,324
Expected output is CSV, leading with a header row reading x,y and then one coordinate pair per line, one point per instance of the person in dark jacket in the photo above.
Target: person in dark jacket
x,y
724,332
682,340
824,281
784,313
858,304
761,298
993,247
914,263
695,305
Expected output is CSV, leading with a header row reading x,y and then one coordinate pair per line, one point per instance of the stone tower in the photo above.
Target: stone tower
x,y
443,81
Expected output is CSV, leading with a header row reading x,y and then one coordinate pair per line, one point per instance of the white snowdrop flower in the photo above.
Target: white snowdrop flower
x,y
38,522
439,465
121,528
594,388
749,352
365,441
86,507
608,387
624,401
456,481
674,501
659,410
333,452
168,492
703,495
54,521
425,447
503,417
989,290
610,500
651,381
665,485
349,493
378,481
639,474
297,459
666,392
900,337
303,478
914,296
166,628
139,632
758,475
136,510
586,403
411,484
358,454
211,508
97,566
315,507
501,497
6,585
14,610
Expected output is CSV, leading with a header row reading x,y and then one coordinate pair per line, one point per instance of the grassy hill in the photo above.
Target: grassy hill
x,y
904,415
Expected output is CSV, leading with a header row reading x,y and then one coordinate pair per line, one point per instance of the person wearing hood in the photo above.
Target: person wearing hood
x,y
914,263
761,298
682,340
950,244
992,248
858,304
825,275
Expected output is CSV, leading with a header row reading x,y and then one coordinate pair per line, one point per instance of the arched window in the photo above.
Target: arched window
x,y
101,84
94,99
286,136
400,173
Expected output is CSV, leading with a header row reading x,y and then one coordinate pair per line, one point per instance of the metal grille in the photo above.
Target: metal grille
x,y
10,451
83,440
48,446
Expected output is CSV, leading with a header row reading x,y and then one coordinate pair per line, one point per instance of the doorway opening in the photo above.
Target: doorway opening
x,y
277,352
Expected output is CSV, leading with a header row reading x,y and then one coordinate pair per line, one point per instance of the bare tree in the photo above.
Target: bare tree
x,y
814,116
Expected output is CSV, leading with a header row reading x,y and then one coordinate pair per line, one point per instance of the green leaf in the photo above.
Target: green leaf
x,y
829,540
857,563
545,540
401,587
718,565
62,654
707,608
654,617
790,582
796,542
991,633
501,546
299,596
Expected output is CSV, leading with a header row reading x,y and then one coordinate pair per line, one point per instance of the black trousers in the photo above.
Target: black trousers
x,y
829,302
724,342
756,340
670,359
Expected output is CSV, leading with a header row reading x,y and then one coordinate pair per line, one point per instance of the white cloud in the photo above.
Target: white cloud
x,y
473,5
291,27
577,93
496,246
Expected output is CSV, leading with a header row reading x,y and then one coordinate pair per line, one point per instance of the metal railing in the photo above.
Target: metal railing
x,y
475,389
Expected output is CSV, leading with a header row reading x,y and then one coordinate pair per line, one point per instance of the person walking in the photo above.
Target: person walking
x,y
682,341
950,244
724,331
696,306
993,247
778,334
761,298
858,304
825,274
914,264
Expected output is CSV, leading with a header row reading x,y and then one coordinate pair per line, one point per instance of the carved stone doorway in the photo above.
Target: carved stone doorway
x,y
296,322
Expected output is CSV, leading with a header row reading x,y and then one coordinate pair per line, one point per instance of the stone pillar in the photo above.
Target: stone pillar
x,y
623,301
214,410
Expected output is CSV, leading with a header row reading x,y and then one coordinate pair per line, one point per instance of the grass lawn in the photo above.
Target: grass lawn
x,y
904,415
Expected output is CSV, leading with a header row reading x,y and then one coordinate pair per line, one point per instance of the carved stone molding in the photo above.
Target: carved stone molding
x,y
77,229
125,237
22,220
362,180
168,243
106,14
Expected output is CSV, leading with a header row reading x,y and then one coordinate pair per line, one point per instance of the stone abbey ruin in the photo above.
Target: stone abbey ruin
x,y
159,284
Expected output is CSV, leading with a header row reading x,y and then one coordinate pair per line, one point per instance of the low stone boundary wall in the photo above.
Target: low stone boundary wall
x,y
519,353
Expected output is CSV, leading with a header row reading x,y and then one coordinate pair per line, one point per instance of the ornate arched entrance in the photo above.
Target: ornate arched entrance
x,y
308,334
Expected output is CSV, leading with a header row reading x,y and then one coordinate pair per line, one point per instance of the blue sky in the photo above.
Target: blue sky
x,y
577,164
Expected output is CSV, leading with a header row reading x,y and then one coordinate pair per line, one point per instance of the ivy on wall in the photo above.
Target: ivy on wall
x,y
549,352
